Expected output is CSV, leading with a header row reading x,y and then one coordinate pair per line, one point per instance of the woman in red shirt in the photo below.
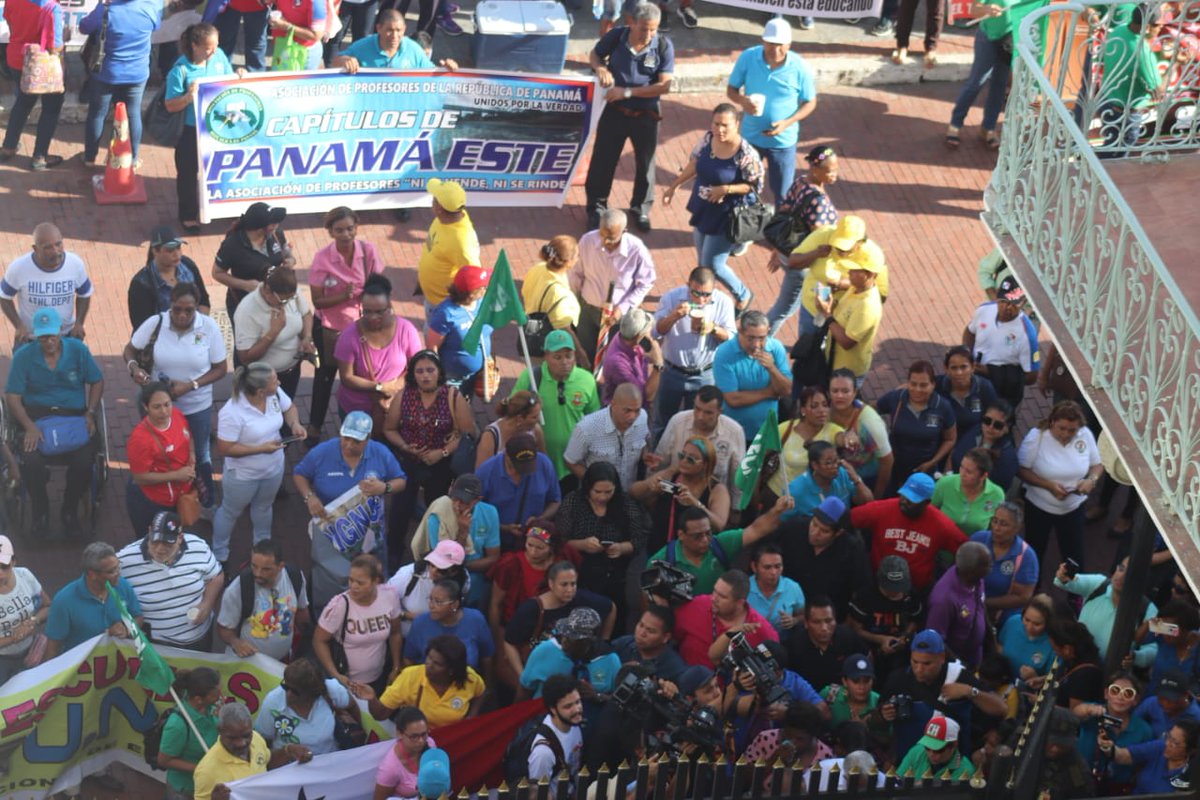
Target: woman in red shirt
x,y
162,460
37,22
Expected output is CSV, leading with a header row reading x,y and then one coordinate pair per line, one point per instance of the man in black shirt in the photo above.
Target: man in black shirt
x,y
650,644
817,651
823,557
887,615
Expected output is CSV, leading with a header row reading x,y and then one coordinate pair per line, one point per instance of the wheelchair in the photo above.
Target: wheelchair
x,y
15,514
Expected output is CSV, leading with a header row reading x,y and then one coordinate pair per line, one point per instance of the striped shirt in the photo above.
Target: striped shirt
x,y
596,438
167,591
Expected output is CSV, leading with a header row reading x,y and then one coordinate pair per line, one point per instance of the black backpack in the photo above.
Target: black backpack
x,y
538,326
247,589
516,755
152,738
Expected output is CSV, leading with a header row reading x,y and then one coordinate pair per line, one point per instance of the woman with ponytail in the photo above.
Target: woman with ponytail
x,y
179,750
200,58
546,288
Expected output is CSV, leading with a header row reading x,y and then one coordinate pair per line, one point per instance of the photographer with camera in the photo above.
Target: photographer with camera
x,y
650,644
1164,763
1115,717
760,690
706,626
929,685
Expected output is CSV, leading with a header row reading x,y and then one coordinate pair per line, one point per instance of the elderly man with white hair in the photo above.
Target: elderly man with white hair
x,y
958,605
239,752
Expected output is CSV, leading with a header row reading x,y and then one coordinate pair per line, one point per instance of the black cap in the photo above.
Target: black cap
x,y
166,527
1173,685
260,215
164,236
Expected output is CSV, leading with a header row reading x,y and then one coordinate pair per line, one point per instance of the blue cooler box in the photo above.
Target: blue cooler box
x,y
521,35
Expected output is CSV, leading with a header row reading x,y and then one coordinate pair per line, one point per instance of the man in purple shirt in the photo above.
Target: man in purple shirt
x,y
615,271
957,605
626,361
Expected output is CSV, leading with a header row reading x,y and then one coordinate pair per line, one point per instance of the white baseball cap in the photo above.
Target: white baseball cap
x,y
777,31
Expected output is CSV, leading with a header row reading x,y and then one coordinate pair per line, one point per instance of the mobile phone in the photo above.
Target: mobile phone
x,y
1164,628
1072,568
290,439
824,292
606,543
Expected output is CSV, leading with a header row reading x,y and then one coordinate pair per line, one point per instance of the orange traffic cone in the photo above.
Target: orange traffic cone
x,y
119,185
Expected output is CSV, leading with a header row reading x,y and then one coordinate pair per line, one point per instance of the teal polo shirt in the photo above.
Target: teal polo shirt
x,y
61,387
76,615
409,55
734,371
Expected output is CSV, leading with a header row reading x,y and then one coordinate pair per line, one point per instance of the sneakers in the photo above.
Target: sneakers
x,y
689,18
448,26
885,27
740,249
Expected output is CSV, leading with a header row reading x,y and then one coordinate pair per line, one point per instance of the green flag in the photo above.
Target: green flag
x,y
766,441
154,673
499,306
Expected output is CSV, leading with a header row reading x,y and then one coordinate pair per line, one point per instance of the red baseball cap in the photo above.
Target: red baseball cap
x,y
469,278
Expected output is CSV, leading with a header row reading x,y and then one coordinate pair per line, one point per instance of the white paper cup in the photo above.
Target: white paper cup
x,y
759,101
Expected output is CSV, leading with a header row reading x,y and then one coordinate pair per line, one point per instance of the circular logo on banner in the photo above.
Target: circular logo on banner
x,y
235,115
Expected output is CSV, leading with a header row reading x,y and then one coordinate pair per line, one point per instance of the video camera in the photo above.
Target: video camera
x,y
761,665
669,722
668,582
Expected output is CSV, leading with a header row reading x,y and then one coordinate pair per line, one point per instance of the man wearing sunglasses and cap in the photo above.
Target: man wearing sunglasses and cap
x,y
1005,342
575,649
451,242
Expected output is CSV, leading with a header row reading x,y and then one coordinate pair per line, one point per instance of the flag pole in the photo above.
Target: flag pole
x,y
188,719
529,365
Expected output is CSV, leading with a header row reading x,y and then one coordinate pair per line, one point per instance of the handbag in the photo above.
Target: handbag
x,y
93,49
538,326
348,732
288,55
62,434
145,356
37,650
187,506
782,234
337,646
41,71
164,126
462,460
489,382
747,221
812,363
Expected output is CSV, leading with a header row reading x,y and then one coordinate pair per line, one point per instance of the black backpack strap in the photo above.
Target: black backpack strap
x,y
673,551
246,585
1099,591
551,741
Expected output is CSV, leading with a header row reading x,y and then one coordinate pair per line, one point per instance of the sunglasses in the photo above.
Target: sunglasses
x,y
688,457
562,393
992,422
696,293
1128,692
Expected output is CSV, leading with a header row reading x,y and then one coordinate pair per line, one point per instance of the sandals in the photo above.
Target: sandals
x,y
991,140
953,138
900,56
931,59
43,163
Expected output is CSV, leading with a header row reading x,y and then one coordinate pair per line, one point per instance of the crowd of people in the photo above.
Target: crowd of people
x,y
885,561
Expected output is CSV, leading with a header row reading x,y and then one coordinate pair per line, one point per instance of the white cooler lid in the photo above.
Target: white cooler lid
x,y
522,18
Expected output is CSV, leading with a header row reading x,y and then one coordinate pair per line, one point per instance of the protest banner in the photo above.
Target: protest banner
x,y
313,140
821,9
353,522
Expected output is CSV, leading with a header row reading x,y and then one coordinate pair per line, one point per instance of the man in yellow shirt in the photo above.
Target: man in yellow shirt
x,y
821,253
856,313
451,244
239,752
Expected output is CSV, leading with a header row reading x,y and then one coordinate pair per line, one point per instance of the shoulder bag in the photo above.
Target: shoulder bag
x,y
538,326
337,643
462,461
93,49
41,71
145,356
62,434
164,126
748,220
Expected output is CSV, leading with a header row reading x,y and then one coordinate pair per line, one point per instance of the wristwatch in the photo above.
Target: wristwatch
x,y
195,384
974,692
628,93
379,387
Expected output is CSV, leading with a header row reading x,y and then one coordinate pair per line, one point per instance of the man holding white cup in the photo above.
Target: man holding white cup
x,y
776,89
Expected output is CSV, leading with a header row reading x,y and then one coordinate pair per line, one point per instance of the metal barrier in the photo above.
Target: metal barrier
x,y
1139,341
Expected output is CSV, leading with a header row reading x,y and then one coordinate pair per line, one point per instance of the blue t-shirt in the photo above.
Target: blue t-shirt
x,y
484,533
131,23
62,387
540,488
472,630
734,371
183,72
76,615
635,70
1153,775
969,411
787,599
453,321
409,55
800,689
808,495
549,659
787,87
1019,565
915,437
1021,651
1152,712
667,665
1167,658
332,477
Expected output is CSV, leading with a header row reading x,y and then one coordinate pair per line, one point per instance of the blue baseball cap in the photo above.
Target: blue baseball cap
x,y
357,425
831,511
928,641
433,775
47,322
918,488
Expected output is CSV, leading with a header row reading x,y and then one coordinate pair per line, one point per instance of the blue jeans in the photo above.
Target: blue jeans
x,y
141,509
781,169
788,300
47,123
227,23
991,68
200,424
712,250
238,493
103,96
676,391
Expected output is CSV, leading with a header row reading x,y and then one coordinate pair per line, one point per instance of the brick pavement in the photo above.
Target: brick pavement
x,y
920,202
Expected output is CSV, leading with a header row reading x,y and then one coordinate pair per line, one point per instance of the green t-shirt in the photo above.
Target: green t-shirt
x,y
996,28
970,516
917,761
839,705
1017,11
178,741
562,409
710,567
1130,69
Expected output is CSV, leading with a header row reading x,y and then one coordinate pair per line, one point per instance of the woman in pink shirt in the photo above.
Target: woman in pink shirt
x,y
337,275
372,355
396,775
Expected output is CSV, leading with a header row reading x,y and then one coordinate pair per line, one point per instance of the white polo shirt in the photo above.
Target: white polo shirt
x,y
167,591
253,318
33,287
1013,342
184,356
243,423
